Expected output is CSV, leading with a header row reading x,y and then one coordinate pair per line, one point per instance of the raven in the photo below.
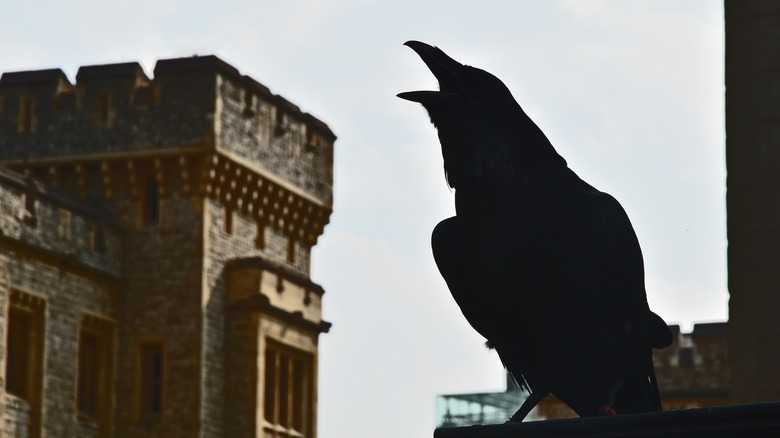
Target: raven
x,y
544,266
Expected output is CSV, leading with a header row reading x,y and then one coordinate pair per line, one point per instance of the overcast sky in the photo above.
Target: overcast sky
x,y
630,93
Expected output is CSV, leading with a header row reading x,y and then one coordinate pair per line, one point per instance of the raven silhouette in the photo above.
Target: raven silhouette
x,y
544,266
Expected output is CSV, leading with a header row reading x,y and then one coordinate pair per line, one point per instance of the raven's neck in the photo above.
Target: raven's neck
x,y
525,192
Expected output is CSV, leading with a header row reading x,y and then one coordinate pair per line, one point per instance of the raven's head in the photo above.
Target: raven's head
x,y
485,135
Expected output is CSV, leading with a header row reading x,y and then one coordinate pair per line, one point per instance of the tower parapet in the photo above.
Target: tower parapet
x,y
221,132
200,104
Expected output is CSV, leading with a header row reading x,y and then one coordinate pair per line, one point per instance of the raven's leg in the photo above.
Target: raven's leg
x,y
528,404
608,407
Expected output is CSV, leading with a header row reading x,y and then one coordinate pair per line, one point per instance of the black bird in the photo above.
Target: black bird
x,y
544,266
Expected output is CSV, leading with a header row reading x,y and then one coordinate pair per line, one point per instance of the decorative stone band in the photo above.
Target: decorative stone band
x,y
261,303
192,172
289,295
270,200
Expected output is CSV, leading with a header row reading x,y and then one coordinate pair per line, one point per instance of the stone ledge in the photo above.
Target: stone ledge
x,y
748,420
261,303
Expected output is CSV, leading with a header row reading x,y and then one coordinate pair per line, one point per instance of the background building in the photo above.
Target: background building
x,y
693,372
155,239
753,196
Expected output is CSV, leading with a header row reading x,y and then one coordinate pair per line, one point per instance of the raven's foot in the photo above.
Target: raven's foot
x,y
528,404
607,410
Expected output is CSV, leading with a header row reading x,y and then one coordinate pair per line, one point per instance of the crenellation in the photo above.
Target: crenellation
x,y
52,79
126,76
107,91
29,97
191,103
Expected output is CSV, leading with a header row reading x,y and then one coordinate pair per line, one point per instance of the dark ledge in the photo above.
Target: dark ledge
x,y
748,420
261,303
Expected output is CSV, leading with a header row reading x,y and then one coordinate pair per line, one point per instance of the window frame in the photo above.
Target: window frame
x,y
20,354
289,386
98,404
144,411
150,201
31,309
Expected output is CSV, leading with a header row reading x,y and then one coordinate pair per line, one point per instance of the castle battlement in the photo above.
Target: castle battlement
x,y
54,226
197,104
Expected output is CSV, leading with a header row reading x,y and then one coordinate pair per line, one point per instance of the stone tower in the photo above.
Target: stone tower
x,y
210,192
753,197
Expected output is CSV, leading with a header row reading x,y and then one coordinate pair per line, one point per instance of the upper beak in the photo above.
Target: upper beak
x,y
443,67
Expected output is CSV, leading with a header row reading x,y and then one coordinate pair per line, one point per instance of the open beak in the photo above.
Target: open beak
x,y
443,67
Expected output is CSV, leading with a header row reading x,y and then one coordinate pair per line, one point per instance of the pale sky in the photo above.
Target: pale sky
x,y
630,93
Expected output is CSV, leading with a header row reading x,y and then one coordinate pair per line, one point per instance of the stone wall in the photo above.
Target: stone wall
x,y
272,135
48,257
163,302
177,177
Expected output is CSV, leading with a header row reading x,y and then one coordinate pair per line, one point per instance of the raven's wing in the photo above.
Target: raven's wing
x,y
555,282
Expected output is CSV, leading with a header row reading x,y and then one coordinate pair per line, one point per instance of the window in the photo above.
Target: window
x,y
290,249
24,345
150,379
19,352
228,220
288,400
89,364
27,120
101,112
151,202
260,238
94,367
